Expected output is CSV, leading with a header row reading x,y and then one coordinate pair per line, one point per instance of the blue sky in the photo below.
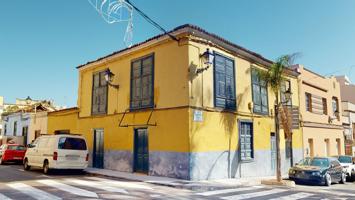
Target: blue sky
x,y
42,41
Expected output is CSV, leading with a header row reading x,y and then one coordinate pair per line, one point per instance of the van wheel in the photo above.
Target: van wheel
x,y
25,165
328,180
343,178
45,167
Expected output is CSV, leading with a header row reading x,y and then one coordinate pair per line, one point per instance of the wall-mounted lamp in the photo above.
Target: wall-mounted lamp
x,y
207,59
109,78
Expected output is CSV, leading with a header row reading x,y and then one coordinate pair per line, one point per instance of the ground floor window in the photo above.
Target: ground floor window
x,y
288,148
246,141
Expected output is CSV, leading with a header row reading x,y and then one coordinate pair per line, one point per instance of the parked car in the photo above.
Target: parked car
x,y
318,170
60,151
348,165
11,153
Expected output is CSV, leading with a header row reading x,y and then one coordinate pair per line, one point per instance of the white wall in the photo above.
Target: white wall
x,y
22,121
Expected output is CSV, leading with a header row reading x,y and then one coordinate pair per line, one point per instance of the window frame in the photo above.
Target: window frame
x,y
92,93
253,95
325,106
15,128
309,101
152,55
245,159
337,107
226,106
282,93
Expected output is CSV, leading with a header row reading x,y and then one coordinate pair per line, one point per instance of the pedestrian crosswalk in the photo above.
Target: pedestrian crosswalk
x,y
105,188
72,188
267,193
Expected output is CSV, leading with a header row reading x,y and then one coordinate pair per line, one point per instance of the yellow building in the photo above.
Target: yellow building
x,y
169,112
320,108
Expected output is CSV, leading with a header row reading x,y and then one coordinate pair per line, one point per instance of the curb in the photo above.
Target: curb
x,y
286,183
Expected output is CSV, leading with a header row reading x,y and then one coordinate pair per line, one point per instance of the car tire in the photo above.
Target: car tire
x,y
328,180
45,167
25,165
343,178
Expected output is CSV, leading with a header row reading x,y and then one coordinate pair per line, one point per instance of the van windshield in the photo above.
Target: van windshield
x,y
72,143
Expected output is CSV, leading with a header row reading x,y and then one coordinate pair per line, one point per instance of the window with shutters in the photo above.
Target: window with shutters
x,y
260,95
285,86
308,102
246,141
224,83
99,94
15,128
325,107
142,79
335,106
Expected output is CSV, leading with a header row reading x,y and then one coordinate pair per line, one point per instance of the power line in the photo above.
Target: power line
x,y
152,22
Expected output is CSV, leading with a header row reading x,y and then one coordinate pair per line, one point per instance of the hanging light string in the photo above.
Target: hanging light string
x,y
152,22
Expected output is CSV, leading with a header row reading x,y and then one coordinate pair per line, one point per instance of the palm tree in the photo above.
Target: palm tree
x,y
274,77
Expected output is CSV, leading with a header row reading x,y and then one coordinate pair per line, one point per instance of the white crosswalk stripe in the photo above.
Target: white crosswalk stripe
x,y
121,183
69,188
3,197
33,192
296,196
97,185
254,194
225,191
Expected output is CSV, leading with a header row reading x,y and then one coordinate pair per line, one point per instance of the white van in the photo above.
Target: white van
x,y
60,151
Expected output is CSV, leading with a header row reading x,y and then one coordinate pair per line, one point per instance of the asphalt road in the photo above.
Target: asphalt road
x,y
18,184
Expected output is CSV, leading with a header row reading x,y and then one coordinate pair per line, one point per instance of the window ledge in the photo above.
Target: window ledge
x,y
247,160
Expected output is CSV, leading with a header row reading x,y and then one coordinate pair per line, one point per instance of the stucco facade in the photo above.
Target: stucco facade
x,y
188,136
321,111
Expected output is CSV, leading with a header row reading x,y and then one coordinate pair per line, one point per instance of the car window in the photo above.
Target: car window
x,y
345,159
71,143
16,147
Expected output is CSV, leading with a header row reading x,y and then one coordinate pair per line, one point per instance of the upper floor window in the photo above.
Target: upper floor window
x,y
5,129
285,86
325,106
335,106
308,102
260,95
224,83
142,79
99,94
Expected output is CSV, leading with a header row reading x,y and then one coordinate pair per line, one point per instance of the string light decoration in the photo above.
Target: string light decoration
x,y
116,11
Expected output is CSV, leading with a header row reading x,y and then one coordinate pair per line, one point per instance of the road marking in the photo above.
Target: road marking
x,y
69,188
216,192
33,192
296,196
121,183
254,194
3,197
97,185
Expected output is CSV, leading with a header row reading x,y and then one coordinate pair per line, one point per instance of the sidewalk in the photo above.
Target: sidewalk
x,y
178,183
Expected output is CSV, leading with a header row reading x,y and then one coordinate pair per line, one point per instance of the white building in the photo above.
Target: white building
x,y
25,125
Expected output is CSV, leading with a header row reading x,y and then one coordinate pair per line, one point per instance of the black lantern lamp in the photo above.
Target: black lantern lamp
x,y
207,59
109,78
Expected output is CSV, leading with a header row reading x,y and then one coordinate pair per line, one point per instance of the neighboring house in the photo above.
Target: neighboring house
x,y
168,112
24,125
347,90
320,107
